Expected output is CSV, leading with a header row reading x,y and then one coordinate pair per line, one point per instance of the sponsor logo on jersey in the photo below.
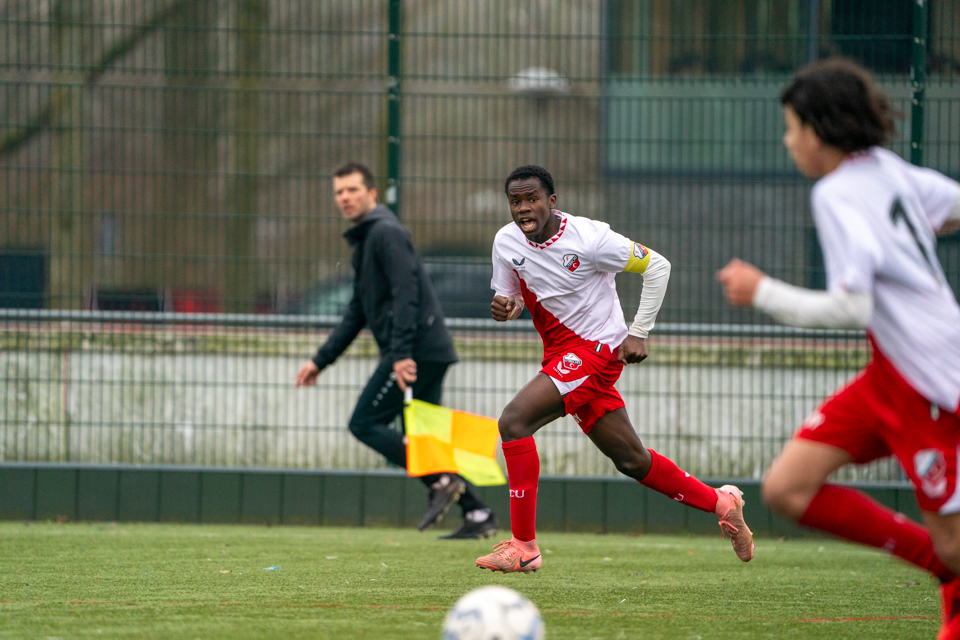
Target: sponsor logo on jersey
x,y
571,261
931,467
639,251
518,263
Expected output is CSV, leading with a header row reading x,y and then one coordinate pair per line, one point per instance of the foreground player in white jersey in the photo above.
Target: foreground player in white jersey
x,y
562,268
876,218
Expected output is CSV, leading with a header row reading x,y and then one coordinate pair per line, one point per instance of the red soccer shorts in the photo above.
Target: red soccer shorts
x,y
879,414
585,374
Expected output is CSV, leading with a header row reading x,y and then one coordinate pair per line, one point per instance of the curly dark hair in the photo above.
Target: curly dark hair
x,y
837,97
531,171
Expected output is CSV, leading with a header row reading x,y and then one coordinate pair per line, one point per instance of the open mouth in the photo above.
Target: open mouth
x,y
527,225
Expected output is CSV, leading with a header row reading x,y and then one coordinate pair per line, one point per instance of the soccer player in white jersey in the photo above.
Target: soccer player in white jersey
x,y
562,268
876,218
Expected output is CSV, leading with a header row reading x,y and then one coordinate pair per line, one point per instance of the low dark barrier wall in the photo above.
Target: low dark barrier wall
x,y
278,496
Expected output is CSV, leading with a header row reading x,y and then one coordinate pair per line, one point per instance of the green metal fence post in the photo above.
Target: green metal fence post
x,y
918,78
393,108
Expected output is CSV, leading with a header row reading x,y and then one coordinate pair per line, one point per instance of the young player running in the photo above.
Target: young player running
x,y
876,218
562,268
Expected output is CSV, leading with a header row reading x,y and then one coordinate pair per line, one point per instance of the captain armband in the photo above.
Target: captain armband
x,y
639,258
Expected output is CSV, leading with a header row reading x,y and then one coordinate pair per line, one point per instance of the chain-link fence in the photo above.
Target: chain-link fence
x,y
170,249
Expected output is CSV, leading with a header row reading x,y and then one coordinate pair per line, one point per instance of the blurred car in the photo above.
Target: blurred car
x,y
462,285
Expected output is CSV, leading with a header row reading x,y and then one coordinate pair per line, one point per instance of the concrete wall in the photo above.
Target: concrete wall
x,y
722,420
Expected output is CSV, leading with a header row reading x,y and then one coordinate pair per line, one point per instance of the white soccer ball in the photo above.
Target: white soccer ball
x,y
493,613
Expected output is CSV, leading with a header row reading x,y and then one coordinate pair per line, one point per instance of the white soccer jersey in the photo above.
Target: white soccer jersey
x,y
567,282
876,217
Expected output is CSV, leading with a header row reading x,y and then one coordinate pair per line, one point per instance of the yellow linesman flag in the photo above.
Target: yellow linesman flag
x,y
444,440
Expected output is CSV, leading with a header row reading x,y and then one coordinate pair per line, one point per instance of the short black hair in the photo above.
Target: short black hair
x,y
531,171
356,167
837,97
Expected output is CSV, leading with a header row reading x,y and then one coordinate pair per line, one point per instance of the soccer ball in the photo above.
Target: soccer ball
x,y
493,613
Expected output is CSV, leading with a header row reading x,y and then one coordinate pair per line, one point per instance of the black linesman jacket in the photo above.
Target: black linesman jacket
x,y
392,294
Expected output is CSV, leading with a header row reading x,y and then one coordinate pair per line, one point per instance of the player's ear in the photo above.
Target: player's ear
x,y
552,200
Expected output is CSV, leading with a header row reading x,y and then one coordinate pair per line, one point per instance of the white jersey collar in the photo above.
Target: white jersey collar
x,y
556,236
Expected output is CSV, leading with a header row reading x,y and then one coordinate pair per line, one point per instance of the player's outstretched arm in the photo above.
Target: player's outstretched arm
x,y
739,280
747,286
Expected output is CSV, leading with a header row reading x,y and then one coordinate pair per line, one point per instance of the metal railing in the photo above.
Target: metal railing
x,y
168,235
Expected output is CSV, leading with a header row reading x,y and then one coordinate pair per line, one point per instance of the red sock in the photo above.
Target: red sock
x,y
670,480
523,471
852,515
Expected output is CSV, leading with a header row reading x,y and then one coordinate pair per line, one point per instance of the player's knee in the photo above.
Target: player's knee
x,y
509,429
771,493
511,426
783,498
635,465
360,429
947,549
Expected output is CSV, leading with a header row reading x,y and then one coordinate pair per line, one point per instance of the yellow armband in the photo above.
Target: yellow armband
x,y
639,258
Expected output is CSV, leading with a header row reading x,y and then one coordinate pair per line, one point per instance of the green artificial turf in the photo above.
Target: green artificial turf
x,y
204,581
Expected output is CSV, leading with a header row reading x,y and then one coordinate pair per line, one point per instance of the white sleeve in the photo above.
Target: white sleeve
x,y
798,307
954,215
612,250
505,281
952,223
939,195
655,278
852,253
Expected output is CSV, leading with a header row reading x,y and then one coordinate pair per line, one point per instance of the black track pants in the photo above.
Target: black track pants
x,y
381,401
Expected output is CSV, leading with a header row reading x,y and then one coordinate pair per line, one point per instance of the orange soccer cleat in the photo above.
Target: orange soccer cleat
x,y
730,512
512,555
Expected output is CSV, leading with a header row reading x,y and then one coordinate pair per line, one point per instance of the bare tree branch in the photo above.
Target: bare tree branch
x,y
120,48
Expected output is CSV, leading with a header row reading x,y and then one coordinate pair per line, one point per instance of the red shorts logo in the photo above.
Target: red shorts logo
x,y
931,467
814,420
569,362
571,261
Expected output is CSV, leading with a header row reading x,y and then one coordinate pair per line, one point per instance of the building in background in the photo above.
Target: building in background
x,y
175,154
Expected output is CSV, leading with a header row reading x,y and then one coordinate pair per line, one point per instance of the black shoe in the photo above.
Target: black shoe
x,y
441,499
475,530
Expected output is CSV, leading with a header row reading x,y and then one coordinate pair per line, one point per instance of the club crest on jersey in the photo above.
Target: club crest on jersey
x,y
931,467
639,251
571,261
519,263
